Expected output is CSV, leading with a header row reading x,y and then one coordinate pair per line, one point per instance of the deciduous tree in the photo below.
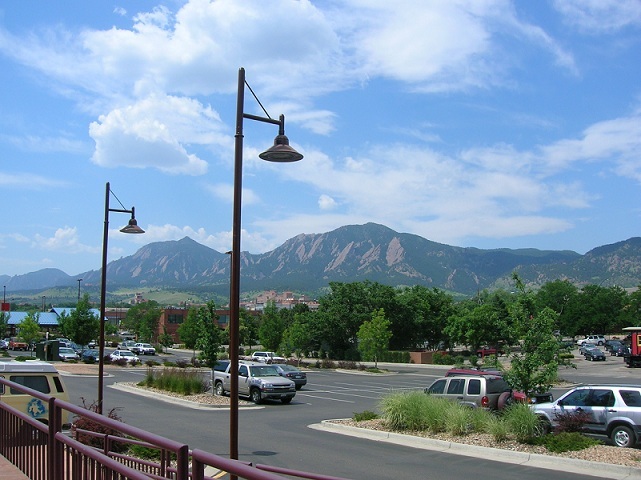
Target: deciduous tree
x,y
374,336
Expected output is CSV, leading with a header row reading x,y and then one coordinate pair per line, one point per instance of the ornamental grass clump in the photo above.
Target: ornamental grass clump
x,y
177,380
463,420
522,422
405,410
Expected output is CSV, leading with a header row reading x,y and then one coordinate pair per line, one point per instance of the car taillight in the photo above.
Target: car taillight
x,y
485,402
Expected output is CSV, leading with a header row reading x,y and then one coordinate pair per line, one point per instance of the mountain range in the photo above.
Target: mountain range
x,y
308,262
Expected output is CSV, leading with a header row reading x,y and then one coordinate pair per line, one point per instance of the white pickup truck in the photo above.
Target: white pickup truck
x,y
255,380
267,357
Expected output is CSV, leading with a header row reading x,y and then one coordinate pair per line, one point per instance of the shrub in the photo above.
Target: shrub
x,y
442,358
84,423
366,415
566,442
345,364
327,363
182,363
571,421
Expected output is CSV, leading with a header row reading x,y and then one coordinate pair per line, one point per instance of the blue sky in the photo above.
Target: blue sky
x,y
482,123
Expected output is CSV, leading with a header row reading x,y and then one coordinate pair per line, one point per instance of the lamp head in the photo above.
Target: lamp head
x,y
132,227
281,151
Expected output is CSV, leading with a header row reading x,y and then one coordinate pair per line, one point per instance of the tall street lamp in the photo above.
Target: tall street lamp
x,y
279,152
132,227
79,280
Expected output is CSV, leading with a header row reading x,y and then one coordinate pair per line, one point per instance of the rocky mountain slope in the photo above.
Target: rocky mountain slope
x,y
308,262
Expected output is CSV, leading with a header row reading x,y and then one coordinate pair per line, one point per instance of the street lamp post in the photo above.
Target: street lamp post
x,y
79,280
279,152
132,227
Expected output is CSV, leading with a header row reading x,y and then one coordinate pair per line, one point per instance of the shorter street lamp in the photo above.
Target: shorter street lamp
x,y
132,227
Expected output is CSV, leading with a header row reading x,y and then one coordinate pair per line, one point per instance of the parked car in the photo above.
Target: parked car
x,y
127,355
593,339
267,357
621,351
293,373
594,354
4,345
518,396
611,345
583,349
126,345
143,349
490,392
66,353
486,351
90,355
614,411
257,381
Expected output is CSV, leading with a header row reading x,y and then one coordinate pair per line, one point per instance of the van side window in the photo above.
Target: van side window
x,y
474,387
37,382
456,386
58,384
437,387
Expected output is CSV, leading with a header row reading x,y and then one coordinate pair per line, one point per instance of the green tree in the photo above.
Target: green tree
x,y
374,336
346,308
29,329
298,338
476,325
248,329
534,368
4,323
82,325
208,341
189,330
165,339
270,331
142,319
426,312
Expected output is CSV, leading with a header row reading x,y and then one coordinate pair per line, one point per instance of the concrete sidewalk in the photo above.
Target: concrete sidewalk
x,y
8,471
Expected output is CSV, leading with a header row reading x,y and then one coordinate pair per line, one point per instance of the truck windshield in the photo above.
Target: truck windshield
x,y
266,371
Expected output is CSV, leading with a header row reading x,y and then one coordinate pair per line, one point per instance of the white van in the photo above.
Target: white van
x,y
37,375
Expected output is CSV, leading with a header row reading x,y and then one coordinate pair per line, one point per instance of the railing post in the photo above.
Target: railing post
x,y
55,460
182,463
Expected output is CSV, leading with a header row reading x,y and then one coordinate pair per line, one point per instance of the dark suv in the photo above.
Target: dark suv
x,y
613,410
481,391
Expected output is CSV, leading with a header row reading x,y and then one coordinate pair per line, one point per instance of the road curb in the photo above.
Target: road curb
x,y
570,465
177,400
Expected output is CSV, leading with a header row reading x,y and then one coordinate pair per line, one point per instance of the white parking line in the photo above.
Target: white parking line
x,y
325,398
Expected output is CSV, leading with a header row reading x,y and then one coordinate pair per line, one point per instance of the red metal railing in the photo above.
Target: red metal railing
x,y
46,452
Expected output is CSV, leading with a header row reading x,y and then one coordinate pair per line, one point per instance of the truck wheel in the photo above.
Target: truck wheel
x,y
255,396
622,437
220,391
286,400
